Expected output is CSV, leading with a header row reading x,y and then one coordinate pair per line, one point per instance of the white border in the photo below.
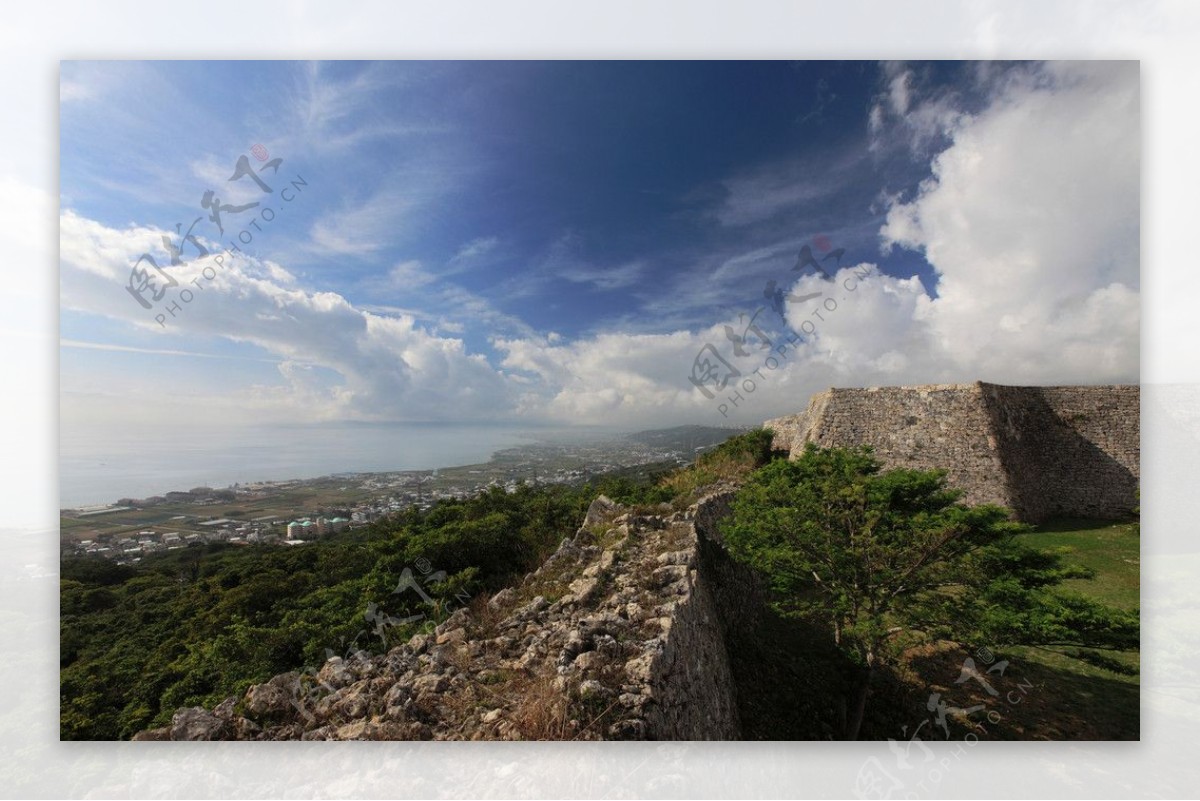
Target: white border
x,y
33,38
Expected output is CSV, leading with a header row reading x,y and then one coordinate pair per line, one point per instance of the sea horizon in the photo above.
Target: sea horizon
x,y
102,466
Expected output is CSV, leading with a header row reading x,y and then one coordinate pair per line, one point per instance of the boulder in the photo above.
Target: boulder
x,y
196,723
602,510
151,735
275,699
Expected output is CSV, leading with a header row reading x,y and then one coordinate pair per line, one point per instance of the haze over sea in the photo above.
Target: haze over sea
x,y
102,465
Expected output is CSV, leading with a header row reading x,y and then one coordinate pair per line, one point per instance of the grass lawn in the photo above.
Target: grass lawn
x,y
1113,550
1100,687
1066,694
790,682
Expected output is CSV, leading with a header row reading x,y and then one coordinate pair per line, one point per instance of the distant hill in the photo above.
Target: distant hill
x,y
684,438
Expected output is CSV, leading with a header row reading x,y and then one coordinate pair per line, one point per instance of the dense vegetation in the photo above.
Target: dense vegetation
x,y
194,626
883,560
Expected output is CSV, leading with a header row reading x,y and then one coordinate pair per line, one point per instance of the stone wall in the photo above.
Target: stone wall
x,y
691,680
623,633
1041,451
620,634
1068,451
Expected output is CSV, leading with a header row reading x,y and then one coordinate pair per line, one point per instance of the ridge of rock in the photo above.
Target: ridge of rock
x,y
619,634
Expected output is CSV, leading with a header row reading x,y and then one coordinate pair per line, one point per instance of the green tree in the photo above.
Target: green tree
x,y
873,554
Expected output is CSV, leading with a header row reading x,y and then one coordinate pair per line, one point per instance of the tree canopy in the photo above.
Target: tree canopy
x,y
876,554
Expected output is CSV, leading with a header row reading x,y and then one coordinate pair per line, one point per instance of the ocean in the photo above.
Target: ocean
x,y
103,465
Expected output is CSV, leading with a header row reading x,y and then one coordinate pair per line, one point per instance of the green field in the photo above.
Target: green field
x,y
1056,694
1096,692
1113,550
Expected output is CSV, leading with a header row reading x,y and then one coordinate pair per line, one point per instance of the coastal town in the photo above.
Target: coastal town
x,y
291,513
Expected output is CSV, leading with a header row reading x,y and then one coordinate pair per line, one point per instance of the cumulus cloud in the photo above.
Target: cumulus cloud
x,y
385,367
909,113
1029,219
608,378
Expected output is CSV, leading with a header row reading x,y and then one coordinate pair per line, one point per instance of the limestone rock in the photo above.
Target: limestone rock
x,y
197,723
601,510
273,699
632,629
163,733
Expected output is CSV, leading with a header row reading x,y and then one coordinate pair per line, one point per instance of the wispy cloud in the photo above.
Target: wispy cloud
x,y
360,229
75,343
340,113
90,81
784,186
910,112
474,250
605,278
564,260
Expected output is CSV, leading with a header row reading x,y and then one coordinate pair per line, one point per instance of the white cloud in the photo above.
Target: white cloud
x,y
1031,223
74,343
408,275
781,187
214,173
1030,220
608,378
908,113
85,81
476,248
339,113
605,278
360,229
898,92
385,367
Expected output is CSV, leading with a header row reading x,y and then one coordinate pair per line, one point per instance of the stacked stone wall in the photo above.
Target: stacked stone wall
x,y
1041,451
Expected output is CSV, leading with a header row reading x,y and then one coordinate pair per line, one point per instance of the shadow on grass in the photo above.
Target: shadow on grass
x,y
1066,525
1032,701
793,684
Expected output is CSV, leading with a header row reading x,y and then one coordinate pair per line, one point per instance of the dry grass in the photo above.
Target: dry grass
x,y
710,469
541,710
484,618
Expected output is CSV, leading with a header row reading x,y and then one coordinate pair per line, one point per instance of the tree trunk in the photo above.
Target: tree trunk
x,y
860,706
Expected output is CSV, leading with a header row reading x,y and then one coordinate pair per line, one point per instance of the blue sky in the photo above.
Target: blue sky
x,y
555,241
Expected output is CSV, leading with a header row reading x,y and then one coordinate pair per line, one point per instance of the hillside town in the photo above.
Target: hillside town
x,y
294,512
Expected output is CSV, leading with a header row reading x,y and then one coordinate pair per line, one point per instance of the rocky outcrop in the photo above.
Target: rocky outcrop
x,y
618,635
1040,451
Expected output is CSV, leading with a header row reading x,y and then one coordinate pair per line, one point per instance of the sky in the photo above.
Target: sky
x,y
623,244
